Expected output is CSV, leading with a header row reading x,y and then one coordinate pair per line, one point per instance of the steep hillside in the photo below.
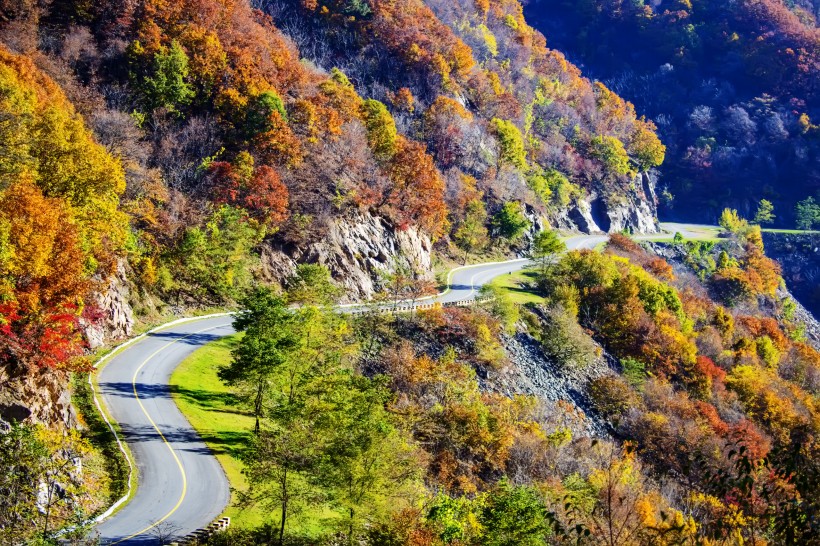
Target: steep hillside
x,y
732,87
206,154
477,85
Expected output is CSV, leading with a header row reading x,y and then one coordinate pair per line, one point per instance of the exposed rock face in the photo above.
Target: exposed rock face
x,y
38,396
639,213
533,374
577,217
636,211
118,317
359,251
799,256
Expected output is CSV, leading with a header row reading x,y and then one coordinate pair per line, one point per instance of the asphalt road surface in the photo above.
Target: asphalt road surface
x,y
181,486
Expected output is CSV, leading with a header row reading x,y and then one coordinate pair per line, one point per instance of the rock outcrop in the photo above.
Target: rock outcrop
x,y
39,396
359,251
117,321
635,211
799,256
638,211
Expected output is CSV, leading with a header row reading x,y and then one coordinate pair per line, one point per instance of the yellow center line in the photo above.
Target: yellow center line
x,y
161,435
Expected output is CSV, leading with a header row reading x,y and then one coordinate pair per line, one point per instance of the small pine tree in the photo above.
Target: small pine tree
x,y
765,213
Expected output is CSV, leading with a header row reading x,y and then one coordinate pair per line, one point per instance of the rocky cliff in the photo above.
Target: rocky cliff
x,y
360,251
799,256
39,396
635,211
117,321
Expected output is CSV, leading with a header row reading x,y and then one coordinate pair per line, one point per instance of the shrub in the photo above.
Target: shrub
x,y
564,340
612,396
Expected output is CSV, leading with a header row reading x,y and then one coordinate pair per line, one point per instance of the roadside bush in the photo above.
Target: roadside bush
x,y
612,396
563,339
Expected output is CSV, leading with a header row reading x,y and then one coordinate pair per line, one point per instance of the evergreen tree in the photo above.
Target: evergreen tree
x,y
765,213
167,86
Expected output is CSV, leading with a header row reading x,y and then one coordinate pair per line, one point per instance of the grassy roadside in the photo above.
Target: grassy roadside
x,y
210,407
107,457
514,285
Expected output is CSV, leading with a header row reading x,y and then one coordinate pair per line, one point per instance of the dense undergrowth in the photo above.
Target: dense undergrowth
x,y
710,405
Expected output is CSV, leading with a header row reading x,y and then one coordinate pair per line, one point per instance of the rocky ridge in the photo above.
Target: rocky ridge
x,y
635,211
360,251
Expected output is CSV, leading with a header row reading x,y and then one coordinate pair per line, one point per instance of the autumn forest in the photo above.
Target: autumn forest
x,y
280,159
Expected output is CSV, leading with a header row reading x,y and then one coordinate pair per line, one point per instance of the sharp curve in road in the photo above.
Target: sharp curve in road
x,y
181,486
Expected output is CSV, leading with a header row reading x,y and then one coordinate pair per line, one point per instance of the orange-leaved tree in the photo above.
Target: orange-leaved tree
x,y
60,226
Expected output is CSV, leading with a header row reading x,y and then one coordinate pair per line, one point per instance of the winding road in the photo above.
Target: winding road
x,y
182,487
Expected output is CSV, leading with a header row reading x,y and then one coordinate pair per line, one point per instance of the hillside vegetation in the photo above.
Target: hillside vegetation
x,y
170,156
731,86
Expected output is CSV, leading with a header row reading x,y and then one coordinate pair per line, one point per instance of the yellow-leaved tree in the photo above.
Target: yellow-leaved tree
x,y
60,225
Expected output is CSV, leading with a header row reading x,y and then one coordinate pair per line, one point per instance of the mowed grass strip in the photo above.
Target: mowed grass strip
x,y
517,286
214,411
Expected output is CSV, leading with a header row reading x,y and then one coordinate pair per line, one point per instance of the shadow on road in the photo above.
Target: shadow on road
x,y
126,390
188,339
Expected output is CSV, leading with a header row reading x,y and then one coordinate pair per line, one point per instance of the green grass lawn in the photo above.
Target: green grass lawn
x,y
515,286
790,231
212,410
700,234
210,407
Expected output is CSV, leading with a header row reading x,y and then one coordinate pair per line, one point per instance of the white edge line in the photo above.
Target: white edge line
x,y
116,350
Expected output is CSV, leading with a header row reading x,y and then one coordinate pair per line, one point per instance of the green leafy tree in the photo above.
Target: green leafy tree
x,y
732,222
634,371
765,213
381,129
510,221
167,85
311,285
260,110
365,461
545,246
515,516
213,263
41,488
807,213
510,143
471,234
611,152
262,351
21,455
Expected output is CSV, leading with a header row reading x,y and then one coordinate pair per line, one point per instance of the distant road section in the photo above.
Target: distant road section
x,y
181,486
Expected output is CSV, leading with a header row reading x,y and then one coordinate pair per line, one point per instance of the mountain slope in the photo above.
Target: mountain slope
x,y
732,86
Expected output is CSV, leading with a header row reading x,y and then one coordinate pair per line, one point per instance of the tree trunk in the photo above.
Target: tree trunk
x,y
257,407
284,507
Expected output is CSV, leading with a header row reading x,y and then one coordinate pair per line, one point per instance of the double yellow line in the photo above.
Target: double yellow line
x,y
161,435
